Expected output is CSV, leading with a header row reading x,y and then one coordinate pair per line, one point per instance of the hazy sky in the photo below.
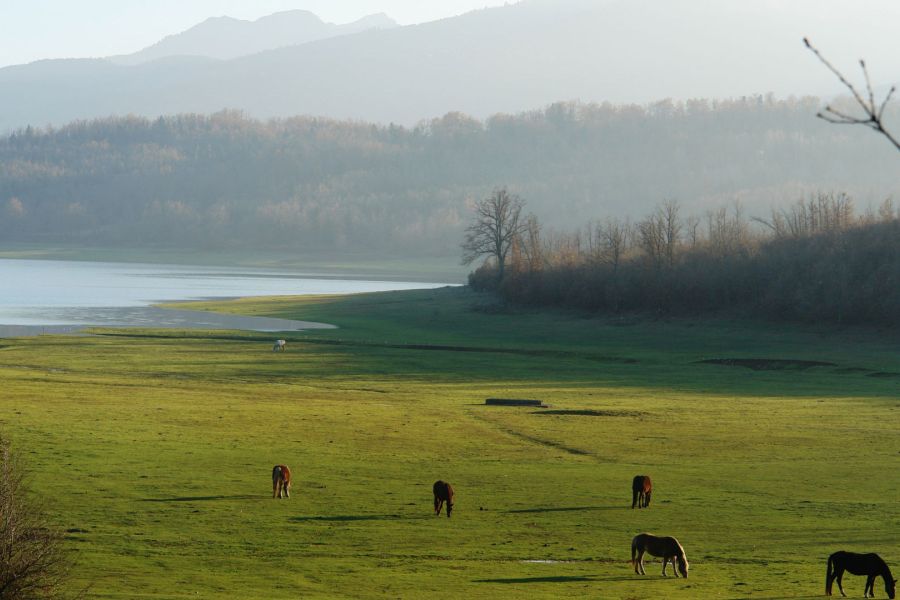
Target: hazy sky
x,y
35,29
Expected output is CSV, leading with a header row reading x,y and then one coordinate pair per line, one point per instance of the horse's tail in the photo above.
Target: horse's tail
x,y
634,550
828,575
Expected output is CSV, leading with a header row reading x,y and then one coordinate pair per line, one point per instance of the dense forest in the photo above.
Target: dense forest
x,y
818,260
227,181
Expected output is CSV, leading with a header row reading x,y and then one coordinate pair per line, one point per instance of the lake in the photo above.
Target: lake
x,y
59,296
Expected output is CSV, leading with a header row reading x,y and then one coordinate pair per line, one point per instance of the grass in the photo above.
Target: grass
x,y
154,450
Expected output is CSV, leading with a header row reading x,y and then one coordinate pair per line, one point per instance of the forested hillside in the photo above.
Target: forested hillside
x,y
225,181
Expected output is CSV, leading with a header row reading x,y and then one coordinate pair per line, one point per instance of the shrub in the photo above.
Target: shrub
x,y
33,563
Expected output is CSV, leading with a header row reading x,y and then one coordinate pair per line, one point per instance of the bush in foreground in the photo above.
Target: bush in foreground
x,y
33,563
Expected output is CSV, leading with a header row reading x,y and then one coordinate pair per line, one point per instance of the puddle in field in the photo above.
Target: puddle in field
x,y
544,561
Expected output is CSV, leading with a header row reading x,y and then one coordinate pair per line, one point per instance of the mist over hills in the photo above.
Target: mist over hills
x,y
383,172
499,60
225,181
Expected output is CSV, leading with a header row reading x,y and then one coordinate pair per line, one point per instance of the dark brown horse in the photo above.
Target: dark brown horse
x,y
281,481
640,491
666,547
443,492
869,565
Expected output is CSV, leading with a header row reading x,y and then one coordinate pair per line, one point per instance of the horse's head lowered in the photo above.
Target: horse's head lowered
x,y
443,493
683,565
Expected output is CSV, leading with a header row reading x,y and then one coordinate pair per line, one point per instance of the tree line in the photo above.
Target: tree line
x,y
818,259
228,181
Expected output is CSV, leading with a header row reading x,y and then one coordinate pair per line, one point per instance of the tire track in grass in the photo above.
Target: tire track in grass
x,y
532,438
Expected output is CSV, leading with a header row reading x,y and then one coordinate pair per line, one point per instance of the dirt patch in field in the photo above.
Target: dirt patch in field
x,y
768,364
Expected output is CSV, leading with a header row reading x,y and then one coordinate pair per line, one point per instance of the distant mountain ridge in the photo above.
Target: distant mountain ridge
x,y
505,59
225,38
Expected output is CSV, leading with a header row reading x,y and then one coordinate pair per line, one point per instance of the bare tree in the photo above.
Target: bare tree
x,y
33,563
652,239
615,235
692,225
532,246
495,229
873,111
728,233
822,213
672,222
659,234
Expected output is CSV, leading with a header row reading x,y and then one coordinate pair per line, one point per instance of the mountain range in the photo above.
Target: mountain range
x,y
498,60
225,38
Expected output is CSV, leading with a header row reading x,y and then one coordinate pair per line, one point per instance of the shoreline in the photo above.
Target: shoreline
x,y
350,266
156,317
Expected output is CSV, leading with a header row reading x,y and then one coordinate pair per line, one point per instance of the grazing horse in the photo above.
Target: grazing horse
x,y
279,345
443,492
281,481
666,547
640,491
871,565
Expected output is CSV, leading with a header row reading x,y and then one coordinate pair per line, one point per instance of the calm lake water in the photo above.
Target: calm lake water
x,y
48,295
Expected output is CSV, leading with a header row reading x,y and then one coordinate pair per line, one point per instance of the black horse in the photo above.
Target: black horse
x,y
871,565
443,492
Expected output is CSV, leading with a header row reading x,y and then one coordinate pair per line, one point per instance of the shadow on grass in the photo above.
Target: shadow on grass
x,y
564,509
589,413
346,518
202,498
807,597
554,579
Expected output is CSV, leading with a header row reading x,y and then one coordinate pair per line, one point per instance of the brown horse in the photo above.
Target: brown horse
x,y
666,547
281,481
871,565
443,492
640,491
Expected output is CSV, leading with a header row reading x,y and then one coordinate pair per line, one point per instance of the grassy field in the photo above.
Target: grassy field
x,y
154,450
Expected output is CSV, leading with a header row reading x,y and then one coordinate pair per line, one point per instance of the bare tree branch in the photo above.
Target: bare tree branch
x,y
872,111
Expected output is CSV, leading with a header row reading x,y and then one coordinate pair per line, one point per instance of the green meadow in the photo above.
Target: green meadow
x,y
153,450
